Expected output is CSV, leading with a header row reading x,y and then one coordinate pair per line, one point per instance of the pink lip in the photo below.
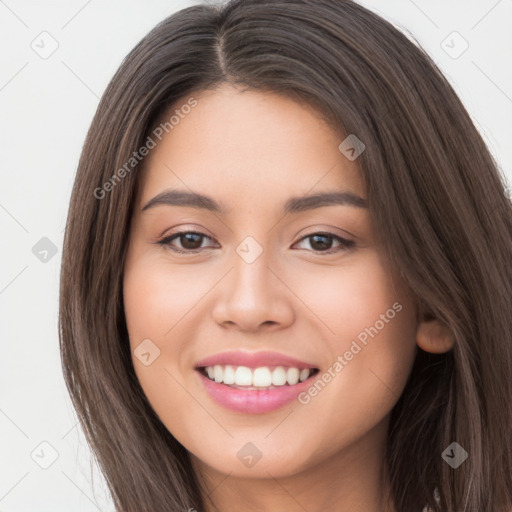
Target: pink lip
x,y
253,360
253,401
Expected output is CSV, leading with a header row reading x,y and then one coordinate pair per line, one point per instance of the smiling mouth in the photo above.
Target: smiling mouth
x,y
261,378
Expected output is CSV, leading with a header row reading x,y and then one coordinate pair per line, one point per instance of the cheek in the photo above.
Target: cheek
x,y
163,303
156,303
358,300
369,323
157,298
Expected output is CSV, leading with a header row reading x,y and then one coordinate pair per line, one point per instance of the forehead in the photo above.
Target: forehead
x,y
243,145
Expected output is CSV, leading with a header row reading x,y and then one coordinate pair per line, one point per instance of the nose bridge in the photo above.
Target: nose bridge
x,y
252,294
252,278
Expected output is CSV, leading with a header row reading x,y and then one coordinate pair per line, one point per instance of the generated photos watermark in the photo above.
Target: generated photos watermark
x,y
137,156
343,360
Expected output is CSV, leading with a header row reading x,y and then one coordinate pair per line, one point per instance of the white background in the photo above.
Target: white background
x,y
46,106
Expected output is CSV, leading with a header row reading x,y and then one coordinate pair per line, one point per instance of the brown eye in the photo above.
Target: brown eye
x,y
323,242
188,241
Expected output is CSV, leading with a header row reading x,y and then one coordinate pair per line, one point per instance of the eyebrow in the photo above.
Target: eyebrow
x,y
293,205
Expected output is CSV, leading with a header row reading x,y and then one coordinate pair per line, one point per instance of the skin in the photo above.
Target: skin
x,y
251,151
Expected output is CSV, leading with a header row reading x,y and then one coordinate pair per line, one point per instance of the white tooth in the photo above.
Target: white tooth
x,y
292,376
279,376
229,375
243,376
218,374
209,370
262,377
304,374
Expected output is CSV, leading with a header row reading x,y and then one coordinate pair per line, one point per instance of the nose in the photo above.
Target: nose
x,y
253,297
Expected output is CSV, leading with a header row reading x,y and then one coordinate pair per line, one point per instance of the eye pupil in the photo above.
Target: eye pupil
x,y
189,240
320,246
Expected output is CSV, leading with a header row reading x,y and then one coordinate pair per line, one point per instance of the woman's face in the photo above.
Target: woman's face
x,y
274,282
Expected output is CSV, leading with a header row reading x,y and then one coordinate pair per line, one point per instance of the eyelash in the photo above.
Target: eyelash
x,y
166,242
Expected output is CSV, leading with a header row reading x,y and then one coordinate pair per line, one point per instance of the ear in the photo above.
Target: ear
x,y
434,336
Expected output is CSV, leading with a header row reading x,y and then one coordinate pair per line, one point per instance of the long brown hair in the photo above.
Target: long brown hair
x,y
437,202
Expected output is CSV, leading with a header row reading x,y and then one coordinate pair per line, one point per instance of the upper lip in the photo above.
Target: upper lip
x,y
253,360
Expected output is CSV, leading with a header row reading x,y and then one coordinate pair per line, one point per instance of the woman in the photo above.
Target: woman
x,y
286,279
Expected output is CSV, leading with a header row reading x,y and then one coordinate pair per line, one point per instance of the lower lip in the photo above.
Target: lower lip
x,y
253,401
